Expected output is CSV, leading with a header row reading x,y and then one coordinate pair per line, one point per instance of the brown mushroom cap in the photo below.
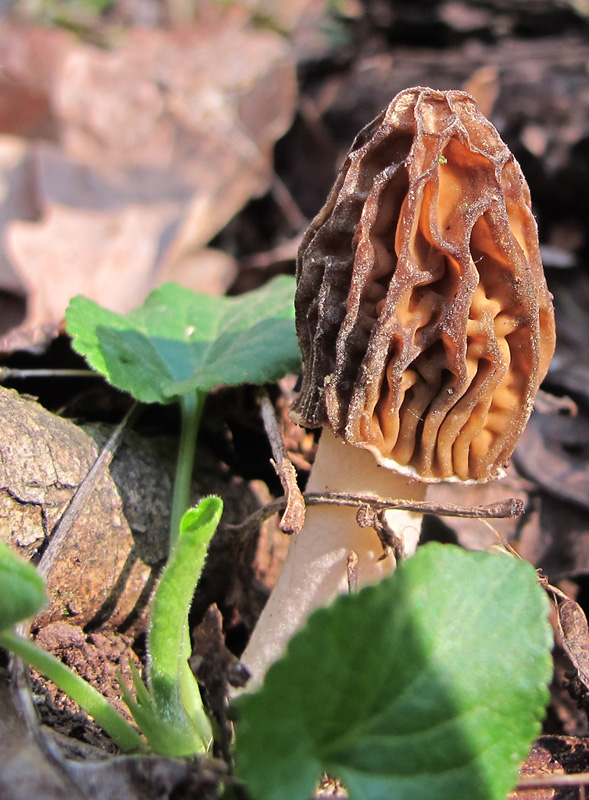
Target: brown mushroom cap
x,y
423,315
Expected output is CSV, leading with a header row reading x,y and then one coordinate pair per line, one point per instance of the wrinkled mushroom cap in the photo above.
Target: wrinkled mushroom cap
x,y
423,315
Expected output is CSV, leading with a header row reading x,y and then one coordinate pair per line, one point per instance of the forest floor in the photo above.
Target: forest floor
x,y
150,142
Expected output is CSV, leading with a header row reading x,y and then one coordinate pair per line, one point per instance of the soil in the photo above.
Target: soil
x,y
526,62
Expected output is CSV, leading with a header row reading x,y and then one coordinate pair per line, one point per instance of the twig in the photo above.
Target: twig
x,y
553,781
286,251
293,518
288,205
68,518
352,567
510,508
8,373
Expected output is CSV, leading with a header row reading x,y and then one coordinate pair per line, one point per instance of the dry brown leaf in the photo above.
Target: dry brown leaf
x,y
29,56
484,86
198,127
539,763
18,202
574,631
555,538
109,256
552,759
208,270
162,141
475,534
553,452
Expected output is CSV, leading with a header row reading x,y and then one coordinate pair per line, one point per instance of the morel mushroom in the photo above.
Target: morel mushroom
x,y
425,326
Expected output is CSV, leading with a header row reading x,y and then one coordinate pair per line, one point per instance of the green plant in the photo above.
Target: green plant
x,y
168,710
180,344
22,594
174,348
429,685
76,15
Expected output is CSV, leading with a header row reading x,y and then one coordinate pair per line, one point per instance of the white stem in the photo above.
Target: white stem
x,y
315,569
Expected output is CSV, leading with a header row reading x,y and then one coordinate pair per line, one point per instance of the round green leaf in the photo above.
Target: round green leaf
x,y
430,685
180,341
22,590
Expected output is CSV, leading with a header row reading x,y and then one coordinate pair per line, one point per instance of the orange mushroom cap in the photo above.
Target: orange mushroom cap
x,y
423,315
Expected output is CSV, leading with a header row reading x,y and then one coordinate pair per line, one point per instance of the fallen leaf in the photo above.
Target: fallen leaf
x,y
475,534
207,271
161,141
539,763
574,631
555,537
484,86
16,176
194,117
554,453
108,254
29,56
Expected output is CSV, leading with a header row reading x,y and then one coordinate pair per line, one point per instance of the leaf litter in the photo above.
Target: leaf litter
x,y
159,141
138,154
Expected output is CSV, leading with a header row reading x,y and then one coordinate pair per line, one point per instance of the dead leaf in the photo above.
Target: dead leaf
x,y
161,141
208,270
574,631
18,202
570,368
539,763
484,86
554,453
195,115
474,534
100,254
555,537
29,56
557,756
216,668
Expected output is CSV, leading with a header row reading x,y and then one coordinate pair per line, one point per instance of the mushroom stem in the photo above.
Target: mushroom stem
x,y
315,569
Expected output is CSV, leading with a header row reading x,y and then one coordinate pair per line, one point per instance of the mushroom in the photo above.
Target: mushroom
x,y
426,328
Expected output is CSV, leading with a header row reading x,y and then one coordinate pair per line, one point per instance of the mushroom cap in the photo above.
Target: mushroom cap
x,y
423,315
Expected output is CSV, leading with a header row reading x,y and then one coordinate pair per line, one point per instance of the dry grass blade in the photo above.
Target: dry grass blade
x,y
65,524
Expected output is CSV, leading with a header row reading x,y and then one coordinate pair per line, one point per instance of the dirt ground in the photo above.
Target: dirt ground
x,y
223,216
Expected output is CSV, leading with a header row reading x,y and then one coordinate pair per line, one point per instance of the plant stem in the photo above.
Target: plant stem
x,y
191,406
77,688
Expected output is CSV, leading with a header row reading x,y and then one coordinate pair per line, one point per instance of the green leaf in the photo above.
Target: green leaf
x,y
180,341
173,686
22,590
169,711
430,685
